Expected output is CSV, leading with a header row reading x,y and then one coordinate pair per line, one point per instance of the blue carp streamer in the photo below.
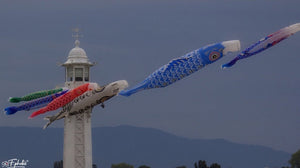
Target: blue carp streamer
x,y
265,43
185,65
37,103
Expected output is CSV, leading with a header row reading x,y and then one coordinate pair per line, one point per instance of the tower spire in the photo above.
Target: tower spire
x,y
76,35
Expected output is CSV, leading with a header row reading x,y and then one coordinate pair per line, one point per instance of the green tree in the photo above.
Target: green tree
x,y
121,165
295,160
215,165
201,164
58,164
144,166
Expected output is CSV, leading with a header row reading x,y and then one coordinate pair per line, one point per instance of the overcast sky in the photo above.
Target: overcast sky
x,y
255,102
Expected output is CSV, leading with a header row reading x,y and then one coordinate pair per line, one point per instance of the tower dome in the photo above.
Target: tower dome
x,y
77,55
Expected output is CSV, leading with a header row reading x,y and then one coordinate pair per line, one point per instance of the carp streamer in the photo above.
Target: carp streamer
x,y
35,95
265,43
65,99
33,104
185,65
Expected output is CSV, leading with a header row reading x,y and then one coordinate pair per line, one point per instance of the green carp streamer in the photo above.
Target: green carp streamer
x,y
34,95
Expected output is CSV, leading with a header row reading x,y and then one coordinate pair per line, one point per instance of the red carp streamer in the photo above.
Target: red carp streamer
x,y
65,99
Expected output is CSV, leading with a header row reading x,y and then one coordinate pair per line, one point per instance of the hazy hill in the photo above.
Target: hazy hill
x,y
136,146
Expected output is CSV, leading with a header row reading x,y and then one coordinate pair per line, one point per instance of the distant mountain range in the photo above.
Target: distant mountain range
x,y
136,146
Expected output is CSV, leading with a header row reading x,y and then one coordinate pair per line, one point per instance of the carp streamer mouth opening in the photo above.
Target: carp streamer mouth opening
x,y
231,46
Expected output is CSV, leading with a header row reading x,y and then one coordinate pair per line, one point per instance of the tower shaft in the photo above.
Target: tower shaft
x,y
77,141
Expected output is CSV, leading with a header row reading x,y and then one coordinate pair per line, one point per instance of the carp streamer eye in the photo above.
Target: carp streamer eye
x,y
214,56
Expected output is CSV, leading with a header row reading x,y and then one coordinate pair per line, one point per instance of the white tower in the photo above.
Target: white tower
x,y
77,128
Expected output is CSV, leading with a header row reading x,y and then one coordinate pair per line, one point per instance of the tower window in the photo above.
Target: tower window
x,y
86,75
78,74
70,74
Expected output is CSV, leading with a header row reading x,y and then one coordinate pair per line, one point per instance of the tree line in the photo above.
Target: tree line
x,y
199,164
294,162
